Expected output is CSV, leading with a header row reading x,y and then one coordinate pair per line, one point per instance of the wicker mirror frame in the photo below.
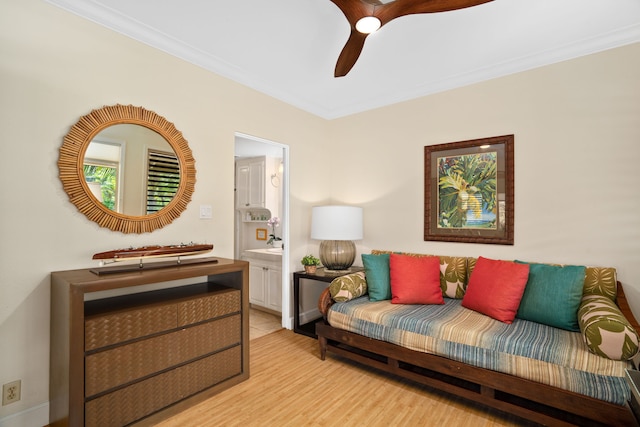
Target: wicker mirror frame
x,y
71,159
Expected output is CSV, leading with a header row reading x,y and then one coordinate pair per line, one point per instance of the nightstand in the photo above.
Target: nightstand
x,y
309,328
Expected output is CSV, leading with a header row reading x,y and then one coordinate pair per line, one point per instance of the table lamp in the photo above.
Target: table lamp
x,y
336,226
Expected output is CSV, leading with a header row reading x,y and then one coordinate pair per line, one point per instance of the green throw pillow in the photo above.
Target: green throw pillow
x,y
376,268
552,295
348,287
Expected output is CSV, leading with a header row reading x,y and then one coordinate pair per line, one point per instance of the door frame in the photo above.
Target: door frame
x,y
287,316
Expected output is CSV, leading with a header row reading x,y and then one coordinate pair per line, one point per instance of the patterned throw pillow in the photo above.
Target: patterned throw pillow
x,y
471,264
605,329
601,281
453,276
348,287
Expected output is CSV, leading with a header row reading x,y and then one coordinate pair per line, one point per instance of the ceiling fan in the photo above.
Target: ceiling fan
x,y
367,16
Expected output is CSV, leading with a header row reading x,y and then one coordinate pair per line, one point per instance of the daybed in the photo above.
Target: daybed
x,y
547,343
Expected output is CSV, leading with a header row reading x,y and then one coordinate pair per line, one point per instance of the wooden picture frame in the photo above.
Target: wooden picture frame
x,y
261,234
469,191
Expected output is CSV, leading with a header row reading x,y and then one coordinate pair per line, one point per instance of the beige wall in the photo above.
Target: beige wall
x,y
56,67
577,147
576,127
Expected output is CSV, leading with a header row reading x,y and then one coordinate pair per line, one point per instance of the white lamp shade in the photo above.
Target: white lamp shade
x,y
336,223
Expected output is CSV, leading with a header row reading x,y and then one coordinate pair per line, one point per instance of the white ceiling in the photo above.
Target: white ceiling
x,y
288,48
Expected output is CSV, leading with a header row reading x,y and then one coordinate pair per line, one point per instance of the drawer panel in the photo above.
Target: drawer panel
x,y
109,329
209,307
138,400
121,365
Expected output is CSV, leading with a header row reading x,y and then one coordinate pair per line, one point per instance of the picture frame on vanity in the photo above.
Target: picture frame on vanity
x,y
469,191
261,234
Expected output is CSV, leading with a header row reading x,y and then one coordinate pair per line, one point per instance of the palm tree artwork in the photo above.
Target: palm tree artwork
x,y
467,191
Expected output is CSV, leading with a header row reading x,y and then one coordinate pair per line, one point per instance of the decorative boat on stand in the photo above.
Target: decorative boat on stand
x,y
154,251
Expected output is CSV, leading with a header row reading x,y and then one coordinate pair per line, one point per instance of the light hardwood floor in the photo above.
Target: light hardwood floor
x,y
291,386
262,323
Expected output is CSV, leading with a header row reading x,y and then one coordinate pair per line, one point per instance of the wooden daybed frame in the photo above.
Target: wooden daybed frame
x,y
530,400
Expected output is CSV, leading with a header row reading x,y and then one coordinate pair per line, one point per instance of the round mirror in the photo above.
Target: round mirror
x,y
127,169
131,169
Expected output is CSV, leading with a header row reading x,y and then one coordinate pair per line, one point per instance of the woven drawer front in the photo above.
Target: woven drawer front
x,y
146,397
119,327
197,310
126,363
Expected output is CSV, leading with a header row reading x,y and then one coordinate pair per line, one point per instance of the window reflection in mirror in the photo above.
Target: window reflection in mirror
x,y
163,179
101,171
131,169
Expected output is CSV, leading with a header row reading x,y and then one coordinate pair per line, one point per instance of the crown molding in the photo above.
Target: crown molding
x,y
143,33
592,45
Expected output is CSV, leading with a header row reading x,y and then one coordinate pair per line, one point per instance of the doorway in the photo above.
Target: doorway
x,y
261,177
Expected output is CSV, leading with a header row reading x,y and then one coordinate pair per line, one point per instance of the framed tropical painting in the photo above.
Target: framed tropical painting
x,y
468,191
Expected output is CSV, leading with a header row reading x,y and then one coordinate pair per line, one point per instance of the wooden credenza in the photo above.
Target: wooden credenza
x,y
141,357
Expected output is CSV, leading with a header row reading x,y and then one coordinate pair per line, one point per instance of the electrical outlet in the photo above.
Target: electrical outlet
x,y
11,392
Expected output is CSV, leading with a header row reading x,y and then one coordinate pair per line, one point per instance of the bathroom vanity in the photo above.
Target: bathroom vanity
x,y
265,284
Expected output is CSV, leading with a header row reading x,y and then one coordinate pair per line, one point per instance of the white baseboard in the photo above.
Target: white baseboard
x,y
36,416
309,315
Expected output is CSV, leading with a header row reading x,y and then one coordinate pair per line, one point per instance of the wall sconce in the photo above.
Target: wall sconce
x,y
275,177
337,227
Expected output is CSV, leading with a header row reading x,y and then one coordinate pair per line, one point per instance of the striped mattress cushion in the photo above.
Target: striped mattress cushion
x,y
524,349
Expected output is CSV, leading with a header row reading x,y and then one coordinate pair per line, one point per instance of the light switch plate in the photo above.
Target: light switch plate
x,y
206,212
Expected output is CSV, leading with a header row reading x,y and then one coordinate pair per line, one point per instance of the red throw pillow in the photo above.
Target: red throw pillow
x,y
495,288
415,280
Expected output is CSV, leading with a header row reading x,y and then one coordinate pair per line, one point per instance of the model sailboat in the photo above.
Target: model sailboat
x,y
154,252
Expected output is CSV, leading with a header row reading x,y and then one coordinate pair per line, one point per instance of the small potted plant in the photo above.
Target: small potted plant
x,y
310,263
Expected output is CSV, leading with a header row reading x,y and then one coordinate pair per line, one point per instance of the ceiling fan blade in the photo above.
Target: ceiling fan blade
x,y
385,11
400,8
354,9
350,53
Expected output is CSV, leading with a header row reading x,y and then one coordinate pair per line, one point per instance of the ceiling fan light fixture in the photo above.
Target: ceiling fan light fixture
x,y
368,25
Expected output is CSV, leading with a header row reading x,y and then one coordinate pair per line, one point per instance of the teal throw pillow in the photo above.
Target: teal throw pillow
x,y
376,268
552,295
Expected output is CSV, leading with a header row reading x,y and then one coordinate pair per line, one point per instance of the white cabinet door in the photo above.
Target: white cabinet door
x,y
265,284
242,185
256,183
257,284
274,289
250,183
